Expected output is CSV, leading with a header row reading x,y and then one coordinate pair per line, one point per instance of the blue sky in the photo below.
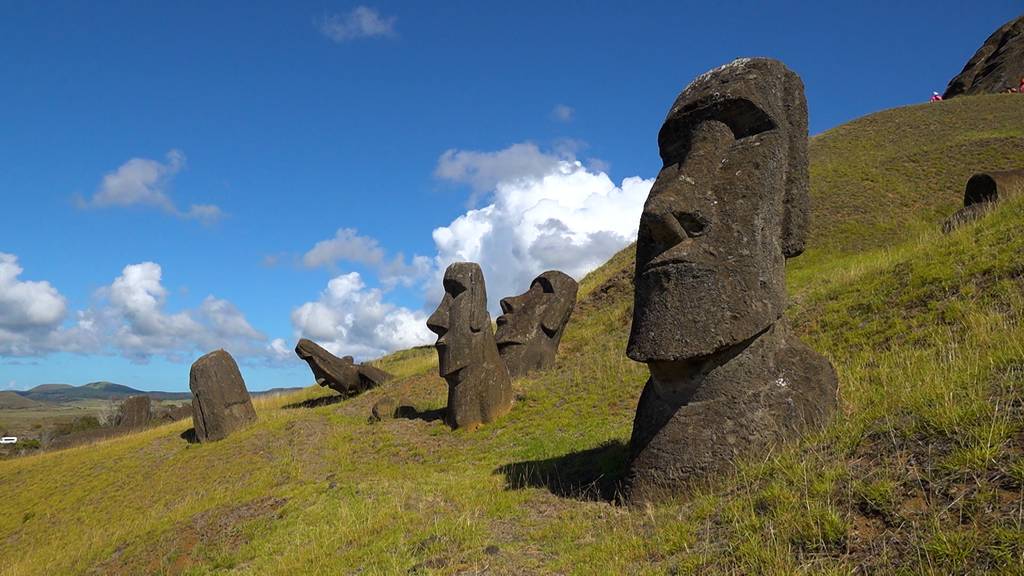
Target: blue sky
x,y
188,175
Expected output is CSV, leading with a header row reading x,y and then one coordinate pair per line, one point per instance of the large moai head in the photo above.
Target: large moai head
x,y
461,321
729,206
478,384
532,323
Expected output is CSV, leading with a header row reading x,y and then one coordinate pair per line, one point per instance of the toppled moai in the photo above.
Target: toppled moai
x,y
730,204
532,323
220,401
134,412
342,375
983,192
479,387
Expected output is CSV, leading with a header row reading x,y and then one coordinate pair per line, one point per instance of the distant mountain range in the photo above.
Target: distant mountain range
x,y
62,393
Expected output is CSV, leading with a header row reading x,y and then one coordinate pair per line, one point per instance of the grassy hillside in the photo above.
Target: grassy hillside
x,y
12,401
922,472
878,178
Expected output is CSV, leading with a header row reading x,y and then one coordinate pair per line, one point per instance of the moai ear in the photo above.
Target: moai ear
x,y
797,199
478,317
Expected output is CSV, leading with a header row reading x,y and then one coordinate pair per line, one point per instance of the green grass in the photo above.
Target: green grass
x,y
921,472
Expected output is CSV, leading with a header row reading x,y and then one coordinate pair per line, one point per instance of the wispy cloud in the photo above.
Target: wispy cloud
x,y
349,246
360,22
146,182
563,113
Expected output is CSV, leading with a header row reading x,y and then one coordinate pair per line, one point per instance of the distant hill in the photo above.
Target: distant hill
x,y
13,401
64,393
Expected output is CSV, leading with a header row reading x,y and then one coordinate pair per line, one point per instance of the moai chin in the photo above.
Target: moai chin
x,y
729,206
532,323
479,388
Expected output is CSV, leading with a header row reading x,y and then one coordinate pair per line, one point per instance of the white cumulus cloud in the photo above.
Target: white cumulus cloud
x,y
546,211
569,218
483,171
351,319
360,22
26,303
29,310
129,318
146,182
346,245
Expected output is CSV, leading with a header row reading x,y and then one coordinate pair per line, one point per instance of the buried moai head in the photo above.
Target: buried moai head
x,y
478,383
728,207
983,192
532,323
340,374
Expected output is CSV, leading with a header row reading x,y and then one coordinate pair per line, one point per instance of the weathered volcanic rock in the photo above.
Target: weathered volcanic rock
x,y
172,413
997,66
479,388
388,407
220,401
983,192
340,374
134,412
533,322
729,206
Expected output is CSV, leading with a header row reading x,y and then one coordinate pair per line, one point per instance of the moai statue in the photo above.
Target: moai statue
x,y
342,375
134,412
479,388
533,322
729,206
983,193
220,402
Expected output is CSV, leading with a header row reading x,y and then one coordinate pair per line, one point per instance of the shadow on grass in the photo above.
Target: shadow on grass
x,y
592,474
411,413
190,436
317,402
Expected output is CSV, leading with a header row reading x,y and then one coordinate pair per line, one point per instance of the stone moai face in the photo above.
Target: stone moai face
x,y
533,322
479,388
729,205
461,321
728,377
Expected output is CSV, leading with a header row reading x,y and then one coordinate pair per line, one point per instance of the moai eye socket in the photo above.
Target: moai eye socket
x,y
453,287
544,284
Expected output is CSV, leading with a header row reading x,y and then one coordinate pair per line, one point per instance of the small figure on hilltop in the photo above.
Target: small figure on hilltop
x,y
936,97
730,205
342,375
479,388
533,322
